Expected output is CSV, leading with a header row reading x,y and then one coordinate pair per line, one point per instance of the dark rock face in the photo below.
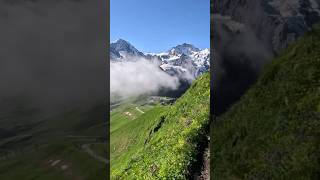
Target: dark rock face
x,y
277,22
123,46
184,49
249,33
114,54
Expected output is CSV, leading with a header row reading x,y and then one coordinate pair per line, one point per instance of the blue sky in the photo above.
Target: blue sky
x,y
158,25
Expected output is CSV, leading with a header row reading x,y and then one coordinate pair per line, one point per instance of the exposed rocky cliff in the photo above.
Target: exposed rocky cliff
x,y
274,22
249,33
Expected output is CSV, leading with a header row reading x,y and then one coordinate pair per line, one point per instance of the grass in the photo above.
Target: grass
x,y
33,147
36,165
119,117
164,140
127,140
273,132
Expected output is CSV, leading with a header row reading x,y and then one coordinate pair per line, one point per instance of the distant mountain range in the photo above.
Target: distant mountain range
x,y
276,23
184,61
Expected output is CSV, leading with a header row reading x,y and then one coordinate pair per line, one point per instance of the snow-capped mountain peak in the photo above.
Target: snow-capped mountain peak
x,y
121,48
184,48
185,60
123,45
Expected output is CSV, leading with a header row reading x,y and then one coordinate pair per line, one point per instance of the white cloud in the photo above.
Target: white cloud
x,y
138,77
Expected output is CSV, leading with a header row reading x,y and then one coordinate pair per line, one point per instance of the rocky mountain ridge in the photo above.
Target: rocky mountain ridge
x,y
185,61
275,22
246,35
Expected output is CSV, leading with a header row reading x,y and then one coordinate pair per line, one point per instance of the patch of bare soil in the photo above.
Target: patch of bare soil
x,y
203,172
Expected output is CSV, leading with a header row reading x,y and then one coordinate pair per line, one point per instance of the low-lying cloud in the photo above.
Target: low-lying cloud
x,y
53,52
138,77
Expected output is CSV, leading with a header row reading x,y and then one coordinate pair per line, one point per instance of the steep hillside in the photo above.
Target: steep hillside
x,y
168,147
273,132
247,35
67,145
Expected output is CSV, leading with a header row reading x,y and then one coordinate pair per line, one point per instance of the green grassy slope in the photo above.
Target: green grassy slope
x,y
118,118
167,146
39,164
56,138
127,139
273,132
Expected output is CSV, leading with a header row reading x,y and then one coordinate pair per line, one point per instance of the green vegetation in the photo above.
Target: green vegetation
x,y
273,132
127,140
162,142
39,164
52,147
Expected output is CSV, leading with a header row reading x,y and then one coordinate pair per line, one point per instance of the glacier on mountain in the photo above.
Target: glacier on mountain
x,y
184,61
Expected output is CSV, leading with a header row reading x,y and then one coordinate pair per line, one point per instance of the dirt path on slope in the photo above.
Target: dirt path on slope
x,y
86,148
137,108
202,169
205,169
